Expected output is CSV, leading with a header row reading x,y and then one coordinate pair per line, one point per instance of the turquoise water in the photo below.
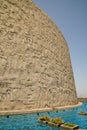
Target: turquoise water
x,y
29,121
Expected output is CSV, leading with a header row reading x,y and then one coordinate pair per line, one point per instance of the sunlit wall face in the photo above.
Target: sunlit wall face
x,y
71,18
35,65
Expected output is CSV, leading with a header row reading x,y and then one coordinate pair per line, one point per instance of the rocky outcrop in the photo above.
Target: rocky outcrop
x,y
35,66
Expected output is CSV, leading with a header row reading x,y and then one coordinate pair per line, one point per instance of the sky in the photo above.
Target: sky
x,y
71,18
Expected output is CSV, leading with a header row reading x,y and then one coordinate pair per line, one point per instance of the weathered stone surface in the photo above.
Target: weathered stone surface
x,y
35,66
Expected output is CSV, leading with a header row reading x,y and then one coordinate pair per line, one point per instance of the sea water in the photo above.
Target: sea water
x,y
29,121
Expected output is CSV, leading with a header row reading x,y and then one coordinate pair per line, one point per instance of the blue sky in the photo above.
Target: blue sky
x,y
71,18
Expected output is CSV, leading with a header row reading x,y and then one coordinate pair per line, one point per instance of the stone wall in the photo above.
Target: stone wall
x,y
35,66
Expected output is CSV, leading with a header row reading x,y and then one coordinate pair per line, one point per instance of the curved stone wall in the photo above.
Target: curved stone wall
x,y
35,66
